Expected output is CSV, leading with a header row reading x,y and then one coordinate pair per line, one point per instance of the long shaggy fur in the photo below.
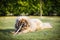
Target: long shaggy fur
x,y
30,25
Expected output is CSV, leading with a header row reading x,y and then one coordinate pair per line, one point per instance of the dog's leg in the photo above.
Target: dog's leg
x,y
25,31
17,30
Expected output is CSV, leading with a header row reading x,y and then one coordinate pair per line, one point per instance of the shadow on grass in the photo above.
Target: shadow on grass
x,y
5,34
6,30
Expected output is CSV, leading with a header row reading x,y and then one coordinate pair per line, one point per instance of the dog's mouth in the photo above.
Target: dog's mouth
x,y
19,29
21,26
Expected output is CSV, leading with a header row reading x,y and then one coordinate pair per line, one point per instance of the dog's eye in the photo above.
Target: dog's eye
x,y
24,24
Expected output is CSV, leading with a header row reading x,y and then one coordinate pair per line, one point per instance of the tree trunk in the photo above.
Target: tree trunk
x,y
41,11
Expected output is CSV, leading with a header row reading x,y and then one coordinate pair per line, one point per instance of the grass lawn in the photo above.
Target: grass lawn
x,y
7,26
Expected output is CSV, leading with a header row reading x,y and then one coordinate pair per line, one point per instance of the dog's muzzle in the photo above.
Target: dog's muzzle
x,y
19,27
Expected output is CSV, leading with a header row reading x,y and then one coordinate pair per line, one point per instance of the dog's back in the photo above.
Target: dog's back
x,y
35,24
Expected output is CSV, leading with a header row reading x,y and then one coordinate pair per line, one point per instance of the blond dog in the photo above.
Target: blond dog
x,y
25,24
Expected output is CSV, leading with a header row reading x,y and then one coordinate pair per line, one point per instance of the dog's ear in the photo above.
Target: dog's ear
x,y
19,23
16,25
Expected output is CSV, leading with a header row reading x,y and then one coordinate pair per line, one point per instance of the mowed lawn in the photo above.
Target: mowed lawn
x,y
7,27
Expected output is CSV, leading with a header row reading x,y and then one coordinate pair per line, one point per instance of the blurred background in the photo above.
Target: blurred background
x,y
44,10
30,7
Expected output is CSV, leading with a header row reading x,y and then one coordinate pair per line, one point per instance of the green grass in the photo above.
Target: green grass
x,y
7,26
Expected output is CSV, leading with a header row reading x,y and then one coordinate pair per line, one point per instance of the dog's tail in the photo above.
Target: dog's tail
x,y
45,25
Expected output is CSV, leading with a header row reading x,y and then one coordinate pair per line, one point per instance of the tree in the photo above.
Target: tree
x,y
30,7
41,6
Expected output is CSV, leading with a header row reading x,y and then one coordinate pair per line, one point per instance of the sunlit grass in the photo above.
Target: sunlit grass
x,y
7,25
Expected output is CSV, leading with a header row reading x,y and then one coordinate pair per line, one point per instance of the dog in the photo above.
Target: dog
x,y
25,24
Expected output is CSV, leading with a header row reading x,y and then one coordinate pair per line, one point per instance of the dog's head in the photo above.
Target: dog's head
x,y
23,22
